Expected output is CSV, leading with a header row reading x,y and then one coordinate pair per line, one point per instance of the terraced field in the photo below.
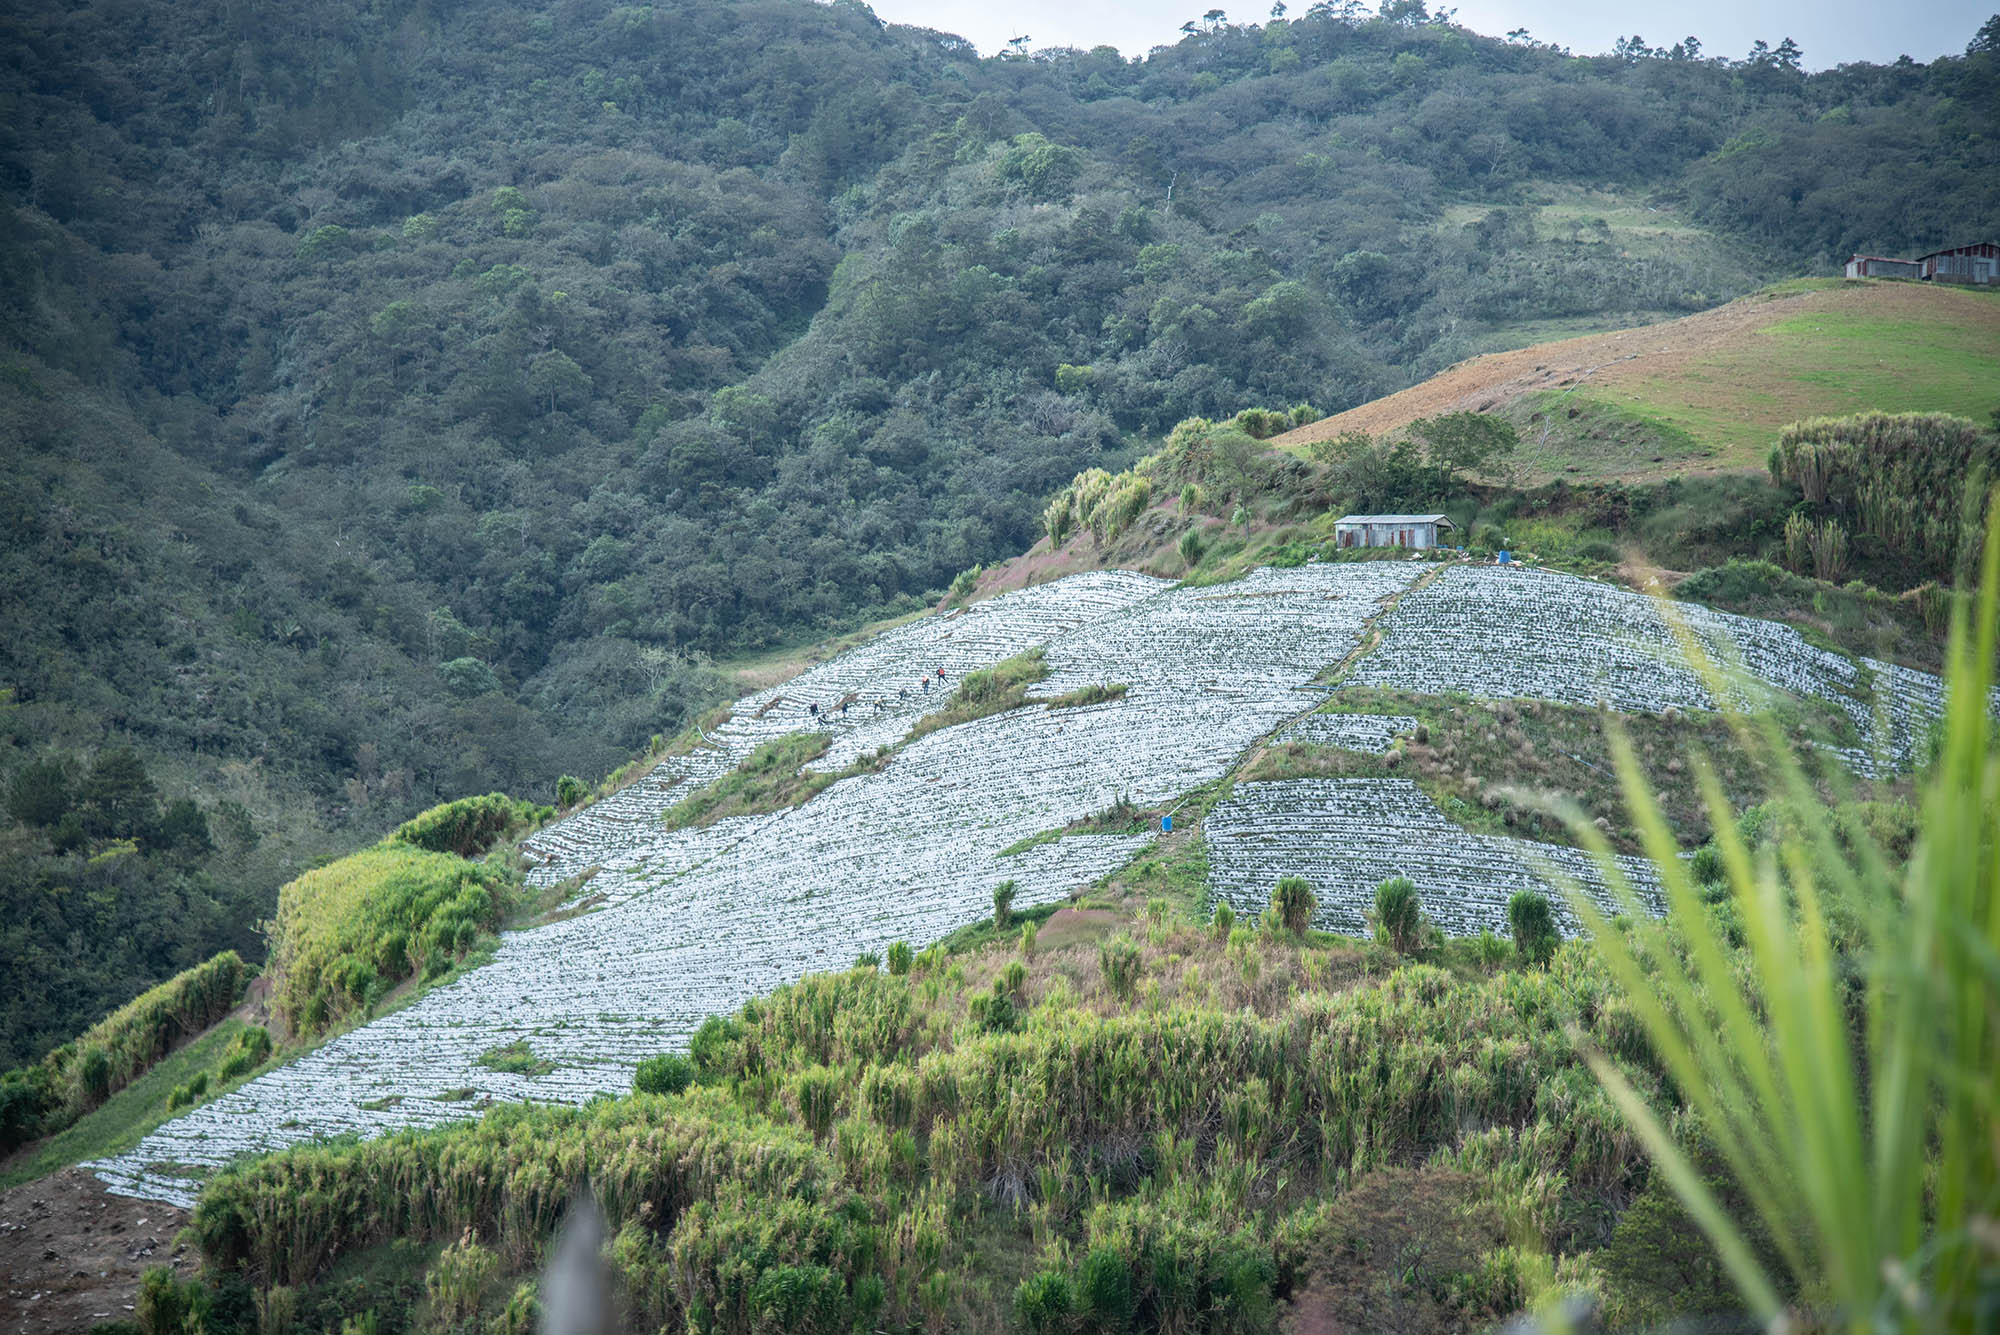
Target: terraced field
x,y
686,923
1347,836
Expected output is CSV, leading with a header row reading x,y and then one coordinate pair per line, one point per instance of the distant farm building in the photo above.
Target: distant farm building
x,y
1976,263
1875,266
1389,530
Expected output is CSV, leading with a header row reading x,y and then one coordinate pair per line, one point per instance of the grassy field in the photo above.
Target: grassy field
x,y
1710,392
770,777
1934,352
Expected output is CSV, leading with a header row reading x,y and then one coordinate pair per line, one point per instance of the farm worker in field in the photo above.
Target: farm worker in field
x,y
814,708
925,682
940,674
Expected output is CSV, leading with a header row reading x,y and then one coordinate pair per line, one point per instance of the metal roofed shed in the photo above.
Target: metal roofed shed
x,y
1978,263
1881,266
1389,530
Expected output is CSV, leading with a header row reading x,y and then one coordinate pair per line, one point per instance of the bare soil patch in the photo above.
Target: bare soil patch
x,y
1069,927
72,1254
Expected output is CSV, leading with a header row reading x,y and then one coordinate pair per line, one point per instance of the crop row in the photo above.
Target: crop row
x,y
1371,733
1347,836
1500,632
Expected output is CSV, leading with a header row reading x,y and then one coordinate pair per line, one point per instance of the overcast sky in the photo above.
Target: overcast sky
x,y
1831,31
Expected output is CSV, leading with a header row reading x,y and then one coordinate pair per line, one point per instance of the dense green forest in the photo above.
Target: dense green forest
x,y
404,400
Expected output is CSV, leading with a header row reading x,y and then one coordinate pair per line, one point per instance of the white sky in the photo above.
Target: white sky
x,y
1832,32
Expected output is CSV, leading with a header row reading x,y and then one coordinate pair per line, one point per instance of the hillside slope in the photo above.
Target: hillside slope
x,y
910,848
1710,391
409,401
1350,722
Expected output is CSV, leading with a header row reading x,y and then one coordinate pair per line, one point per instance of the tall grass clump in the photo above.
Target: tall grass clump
x,y
1844,1064
1399,918
1913,482
347,932
1534,926
1293,904
1120,960
1003,905
42,1099
471,825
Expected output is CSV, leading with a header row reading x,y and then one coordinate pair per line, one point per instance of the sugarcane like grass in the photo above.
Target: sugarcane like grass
x,y
1868,1158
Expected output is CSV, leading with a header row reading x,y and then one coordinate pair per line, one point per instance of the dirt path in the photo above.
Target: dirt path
x,y
71,1254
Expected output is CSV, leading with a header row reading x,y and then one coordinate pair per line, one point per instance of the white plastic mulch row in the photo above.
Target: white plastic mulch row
x,y
1370,733
1347,836
883,677
698,921
1499,632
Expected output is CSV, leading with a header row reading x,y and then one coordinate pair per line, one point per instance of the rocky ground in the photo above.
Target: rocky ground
x,y
71,1253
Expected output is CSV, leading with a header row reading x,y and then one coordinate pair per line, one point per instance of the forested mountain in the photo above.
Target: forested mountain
x,y
402,400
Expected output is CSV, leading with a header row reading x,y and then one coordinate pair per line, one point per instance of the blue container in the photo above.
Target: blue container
x,y
1166,825
1506,558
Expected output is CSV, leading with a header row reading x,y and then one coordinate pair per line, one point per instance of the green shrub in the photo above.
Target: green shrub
x,y
1706,864
169,1306
1534,925
26,1099
1120,960
1293,904
93,1073
570,790
1399,916
1223,922
1028,940
1913,482
251,1049
458,1279
816,1092
669,1073
994,1012
713,1046
515,1058
899,958
1003,905
1104,1290
1044,1303
1191,547
469,826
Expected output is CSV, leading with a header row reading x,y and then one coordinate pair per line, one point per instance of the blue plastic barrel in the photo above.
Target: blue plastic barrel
x,y
1506,558
1166,825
